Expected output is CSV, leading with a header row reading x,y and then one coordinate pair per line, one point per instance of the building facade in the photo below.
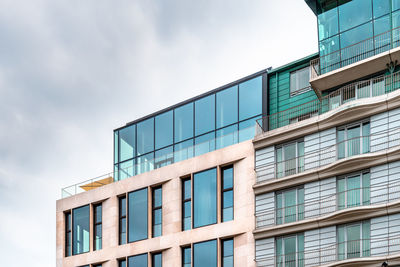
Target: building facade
x,y
293,166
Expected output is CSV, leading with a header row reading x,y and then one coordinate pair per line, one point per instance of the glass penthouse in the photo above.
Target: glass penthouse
x,y
289,167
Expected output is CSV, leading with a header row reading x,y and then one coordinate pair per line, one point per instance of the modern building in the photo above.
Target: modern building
x,y
293,166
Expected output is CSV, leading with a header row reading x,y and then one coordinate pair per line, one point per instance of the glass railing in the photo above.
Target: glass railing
x,y
167,159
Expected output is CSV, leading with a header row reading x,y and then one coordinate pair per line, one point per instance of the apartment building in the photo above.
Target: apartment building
x,y
292,166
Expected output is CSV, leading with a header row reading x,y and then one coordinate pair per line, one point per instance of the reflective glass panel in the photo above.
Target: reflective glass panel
x,y
187,257
205,254
205,115
353,241
347,14
247,129
187,215
183,150
355,36
227,106
164,129
353,191
164,157
328,24
227,253
380,7
395,5
205,198
204,144
138,261
250,98
289,244
145,163
145,136
156,260
80,230
227,136
122,263
227,176
184,122
137,215
227,206
126,169
116,153
127,143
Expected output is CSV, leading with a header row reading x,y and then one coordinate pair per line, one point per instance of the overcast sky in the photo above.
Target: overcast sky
x,y
71,71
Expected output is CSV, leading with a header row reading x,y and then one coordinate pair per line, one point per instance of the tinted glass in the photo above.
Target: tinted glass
x,y
127,143
126,169
164,157
227,136
187,257
227,107
227,250
138,261
227,206
227,175
356,35
250,98
116,147
381,7
328,24
329,45
205,254
157,197
205,144
137,215
184,122
187,189
183,150
157,219
205,115
247,129
164,129
157,260
80,230
98,214
145,136
382,25
395,4
347,17
122,263
187,213
205,198
145,163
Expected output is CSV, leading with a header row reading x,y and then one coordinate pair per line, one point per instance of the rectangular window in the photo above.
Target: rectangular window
x,y
227,194
122,263
205,254
353,139
300,81
157,211
186,257
289,158
137,215
156,260
290,251
290,205
122,220
80,230
186,204
205,198
353,240
138,261
353,190
68,234
227,253
97,227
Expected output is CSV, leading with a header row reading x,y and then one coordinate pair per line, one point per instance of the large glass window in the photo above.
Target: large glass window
x,y
127,143
353,139
289,158
299,81
184,122
98,234
354,13
205,115
328,23
227,194
353,190
138,261
68,234
227,106
205,254
381,7
156,259
290,251
145,163
247,129
227,253
186,257
186,204
145,136
137,215
250,98
353,240
81,230
164,129
204,144
290,205
157,211
227,136
183,150
205,198
122,220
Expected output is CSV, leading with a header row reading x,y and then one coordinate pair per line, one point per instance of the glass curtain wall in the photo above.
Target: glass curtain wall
x,y
212,122
350,31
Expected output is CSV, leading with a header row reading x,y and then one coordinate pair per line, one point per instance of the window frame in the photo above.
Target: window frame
x,y
121,218
68,232
296,74
72,231
296,235
361,189
297,158
345,140
153,255
283,209
227,190
185,200
223,251
95,224
345,239
155,208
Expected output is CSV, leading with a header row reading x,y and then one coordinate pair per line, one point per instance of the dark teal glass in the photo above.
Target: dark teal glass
x,y
156,260
205,198
138,261
328,23
145,136
356,35
80,230
137,215
127,143
395,5
122,263
184,122
357,51
380,7
227,253
354,13
227,106
204,144
205,254
250,98
164,129
205,115
329,46
227,136
382,25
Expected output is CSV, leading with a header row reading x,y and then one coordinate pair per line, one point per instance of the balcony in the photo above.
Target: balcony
x,y
356,61
369,88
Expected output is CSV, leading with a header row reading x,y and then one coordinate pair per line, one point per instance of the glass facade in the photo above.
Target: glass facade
x,y
211,122
353,190
227,194
290,251
98,233
205,198
80,230
350,31
205,254
138,261
137,215
157,211
354,240
290,205
227,253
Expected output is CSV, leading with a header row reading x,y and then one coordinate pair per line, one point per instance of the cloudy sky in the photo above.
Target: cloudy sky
x,y
73,70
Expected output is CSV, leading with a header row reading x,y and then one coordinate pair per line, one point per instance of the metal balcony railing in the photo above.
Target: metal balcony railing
x,y
321,157
377,86
383,192
356,52
317,255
